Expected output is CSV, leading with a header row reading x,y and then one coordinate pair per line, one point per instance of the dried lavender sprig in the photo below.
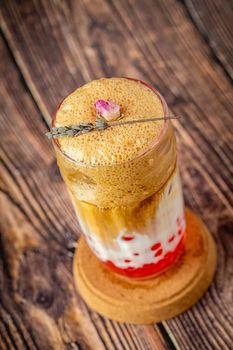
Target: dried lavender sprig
x,y
71,130
101,124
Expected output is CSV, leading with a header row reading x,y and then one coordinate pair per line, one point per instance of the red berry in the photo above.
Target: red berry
x,y
156,246
159,252
171,239
127,238
127,260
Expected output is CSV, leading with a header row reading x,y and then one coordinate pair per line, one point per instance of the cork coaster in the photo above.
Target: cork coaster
x,y
150,300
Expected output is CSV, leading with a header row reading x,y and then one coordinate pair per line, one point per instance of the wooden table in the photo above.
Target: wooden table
x,y
48,48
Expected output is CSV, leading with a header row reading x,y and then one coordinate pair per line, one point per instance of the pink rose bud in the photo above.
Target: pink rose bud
x,y
108,110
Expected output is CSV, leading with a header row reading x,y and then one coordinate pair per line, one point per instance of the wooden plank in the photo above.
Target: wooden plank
x,y
39,307
214,20
158,43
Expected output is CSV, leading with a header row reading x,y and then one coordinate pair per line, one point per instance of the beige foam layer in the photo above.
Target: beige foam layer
x,y
122,184
115,145
114,174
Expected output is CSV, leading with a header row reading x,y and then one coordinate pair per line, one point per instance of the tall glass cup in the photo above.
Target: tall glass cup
x,y
131,213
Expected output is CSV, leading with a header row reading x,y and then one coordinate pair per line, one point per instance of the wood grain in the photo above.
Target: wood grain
x,y
58,46
214,20
39,308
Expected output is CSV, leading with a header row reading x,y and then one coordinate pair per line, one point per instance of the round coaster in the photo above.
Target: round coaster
x,y
150,300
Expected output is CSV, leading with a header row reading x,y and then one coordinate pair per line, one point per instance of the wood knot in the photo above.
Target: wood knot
x,y
44,298
40,281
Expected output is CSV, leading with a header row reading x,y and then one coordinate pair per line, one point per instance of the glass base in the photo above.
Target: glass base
x,y
149,270
151,300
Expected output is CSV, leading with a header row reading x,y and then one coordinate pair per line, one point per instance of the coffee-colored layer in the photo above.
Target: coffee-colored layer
x,y
139,217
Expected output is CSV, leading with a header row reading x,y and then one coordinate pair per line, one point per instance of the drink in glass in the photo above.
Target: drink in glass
x,y
123,181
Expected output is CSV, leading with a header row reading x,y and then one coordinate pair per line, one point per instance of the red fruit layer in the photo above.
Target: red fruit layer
x,y
151,269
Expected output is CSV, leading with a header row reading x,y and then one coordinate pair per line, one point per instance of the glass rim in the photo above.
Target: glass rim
x,y
151,145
